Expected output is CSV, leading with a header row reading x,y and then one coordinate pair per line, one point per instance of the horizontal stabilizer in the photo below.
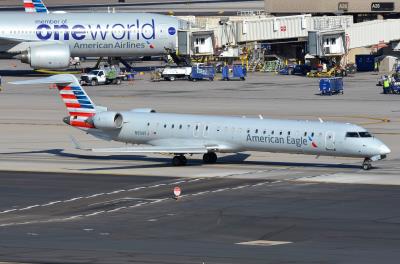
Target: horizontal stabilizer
x,y
59,79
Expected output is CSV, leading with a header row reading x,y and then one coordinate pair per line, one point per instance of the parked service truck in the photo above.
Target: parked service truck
x,y
101,76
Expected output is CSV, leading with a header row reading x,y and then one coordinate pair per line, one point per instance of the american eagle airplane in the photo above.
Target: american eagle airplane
x,y
183,134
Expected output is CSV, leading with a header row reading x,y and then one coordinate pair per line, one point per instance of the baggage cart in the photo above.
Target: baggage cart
x,y
202,73
239,72
330,86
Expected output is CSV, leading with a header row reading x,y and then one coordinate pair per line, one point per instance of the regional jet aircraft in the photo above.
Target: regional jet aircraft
x,y
49,40
183,134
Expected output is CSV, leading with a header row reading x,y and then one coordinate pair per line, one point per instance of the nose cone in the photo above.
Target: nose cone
x,y
383,150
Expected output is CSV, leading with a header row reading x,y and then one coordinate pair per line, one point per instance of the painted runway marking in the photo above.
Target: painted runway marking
x,y
94,195
264,243
72,199
220,190
200,193
7,211
29,207
96,213
51,203
116,209
240,187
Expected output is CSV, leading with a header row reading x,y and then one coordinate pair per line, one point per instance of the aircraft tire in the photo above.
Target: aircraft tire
x,y
179,160
210,158
366,164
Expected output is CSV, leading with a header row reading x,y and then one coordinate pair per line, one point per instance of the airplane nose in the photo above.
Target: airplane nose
x,y
383,150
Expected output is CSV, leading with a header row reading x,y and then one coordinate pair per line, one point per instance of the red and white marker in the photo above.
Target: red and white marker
x,y
177,191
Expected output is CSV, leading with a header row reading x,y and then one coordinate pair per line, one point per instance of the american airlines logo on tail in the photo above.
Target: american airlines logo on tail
x,y
35,6
61,30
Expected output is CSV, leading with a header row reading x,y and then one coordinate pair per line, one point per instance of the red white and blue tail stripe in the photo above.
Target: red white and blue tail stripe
x,y
80,107
78,104
35,6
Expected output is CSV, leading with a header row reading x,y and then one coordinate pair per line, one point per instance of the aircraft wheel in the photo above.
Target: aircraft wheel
x,y
366,164
179,160
210,158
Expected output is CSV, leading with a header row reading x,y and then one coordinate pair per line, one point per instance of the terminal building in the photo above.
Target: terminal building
x,y
361,10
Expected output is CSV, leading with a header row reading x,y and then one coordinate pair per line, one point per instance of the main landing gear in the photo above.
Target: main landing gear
x,y
367,164
208,158
179,160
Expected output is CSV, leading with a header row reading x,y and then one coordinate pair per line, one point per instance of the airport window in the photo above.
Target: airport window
x,y
364,134
333,41
256,131
352,134
180,126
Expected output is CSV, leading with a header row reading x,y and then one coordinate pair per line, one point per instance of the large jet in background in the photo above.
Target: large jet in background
x,y
181,134
50,40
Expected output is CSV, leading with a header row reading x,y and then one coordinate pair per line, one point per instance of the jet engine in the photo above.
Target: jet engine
x,y
48,56
107,120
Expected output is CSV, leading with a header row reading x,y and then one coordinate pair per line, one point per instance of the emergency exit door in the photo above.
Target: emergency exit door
x,y
330,140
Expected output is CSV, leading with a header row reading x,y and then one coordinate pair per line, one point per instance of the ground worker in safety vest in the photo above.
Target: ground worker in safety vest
x,y
386,85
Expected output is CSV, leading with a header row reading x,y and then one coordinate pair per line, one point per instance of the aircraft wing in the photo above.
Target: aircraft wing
x,y
155,149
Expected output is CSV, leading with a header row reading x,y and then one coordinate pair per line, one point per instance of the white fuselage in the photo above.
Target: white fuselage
x,y
90,34
233,134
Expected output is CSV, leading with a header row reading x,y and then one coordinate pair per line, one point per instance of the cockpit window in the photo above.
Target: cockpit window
x,y
365,134
352,134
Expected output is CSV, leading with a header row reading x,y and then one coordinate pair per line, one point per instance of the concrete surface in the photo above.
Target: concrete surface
x,y
59,204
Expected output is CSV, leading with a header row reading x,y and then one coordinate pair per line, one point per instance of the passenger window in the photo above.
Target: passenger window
x,y
256,131
206,128
272,132
148,124
280,133
352,134
180,126
165,126
312,134
248,131
172,126
264,132
197,127
288,133
305,134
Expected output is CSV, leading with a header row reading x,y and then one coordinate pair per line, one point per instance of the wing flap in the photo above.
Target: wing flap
x,y
154,149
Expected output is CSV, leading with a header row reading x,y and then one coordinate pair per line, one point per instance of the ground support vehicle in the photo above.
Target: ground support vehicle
x,y
202,73
239,72
330,86
295,69
172,73
102,76
322,74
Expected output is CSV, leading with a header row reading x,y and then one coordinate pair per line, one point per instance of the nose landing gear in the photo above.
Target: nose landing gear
x,y
367,164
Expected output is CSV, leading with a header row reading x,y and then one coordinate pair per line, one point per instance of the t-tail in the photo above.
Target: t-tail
x,y
35,6
80,107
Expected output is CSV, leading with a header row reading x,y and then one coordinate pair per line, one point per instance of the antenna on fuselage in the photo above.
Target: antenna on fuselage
x,y
260,116
320,120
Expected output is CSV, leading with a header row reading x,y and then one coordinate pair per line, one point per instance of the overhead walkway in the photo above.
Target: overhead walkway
x,y
373,32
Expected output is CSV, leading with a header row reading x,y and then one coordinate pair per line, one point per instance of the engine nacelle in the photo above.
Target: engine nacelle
x,y
49,56
107,120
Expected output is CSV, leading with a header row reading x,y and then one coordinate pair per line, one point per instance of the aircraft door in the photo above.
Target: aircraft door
x,y
330,140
